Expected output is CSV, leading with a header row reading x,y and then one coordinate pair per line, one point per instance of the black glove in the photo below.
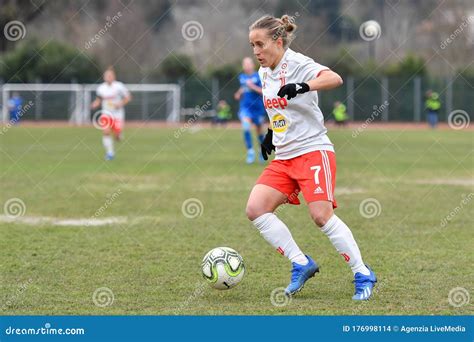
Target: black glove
x,y
293,89
267,145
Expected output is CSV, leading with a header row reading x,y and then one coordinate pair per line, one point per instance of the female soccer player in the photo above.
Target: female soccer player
x,y
251,106
113,96
304,155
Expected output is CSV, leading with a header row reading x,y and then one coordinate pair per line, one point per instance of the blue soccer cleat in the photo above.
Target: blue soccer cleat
x,y
300,274
364,285
109,156
250,156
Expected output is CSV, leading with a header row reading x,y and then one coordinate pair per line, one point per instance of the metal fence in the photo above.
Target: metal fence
x,y
400,99
404,98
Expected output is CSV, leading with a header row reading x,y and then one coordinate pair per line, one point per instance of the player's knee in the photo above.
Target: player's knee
x,y
321,217
246,125
253,211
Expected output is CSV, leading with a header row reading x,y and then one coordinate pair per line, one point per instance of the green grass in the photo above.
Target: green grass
x,y
152,262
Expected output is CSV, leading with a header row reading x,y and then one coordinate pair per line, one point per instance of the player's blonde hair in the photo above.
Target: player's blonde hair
x,y
283,27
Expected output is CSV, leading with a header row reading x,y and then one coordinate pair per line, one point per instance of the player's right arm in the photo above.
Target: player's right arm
x,y
238,94
96,103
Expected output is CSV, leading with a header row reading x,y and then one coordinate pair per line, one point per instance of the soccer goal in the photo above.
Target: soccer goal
x,y
71,102
41,101
149,102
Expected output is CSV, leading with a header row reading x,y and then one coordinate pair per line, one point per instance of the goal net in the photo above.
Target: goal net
x,y
71,102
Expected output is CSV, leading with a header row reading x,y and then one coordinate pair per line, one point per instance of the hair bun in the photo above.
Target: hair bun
x,y
288,23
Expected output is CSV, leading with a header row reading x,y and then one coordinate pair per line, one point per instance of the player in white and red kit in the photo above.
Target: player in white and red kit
x,y
304,156
113,96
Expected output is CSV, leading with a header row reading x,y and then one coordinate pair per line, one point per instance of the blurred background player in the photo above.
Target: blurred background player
x,y
339,113
224,114
432,106
15,104
304,155
113,96
251,106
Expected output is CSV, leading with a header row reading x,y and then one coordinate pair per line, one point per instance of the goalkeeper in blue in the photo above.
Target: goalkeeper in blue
x,y
251,106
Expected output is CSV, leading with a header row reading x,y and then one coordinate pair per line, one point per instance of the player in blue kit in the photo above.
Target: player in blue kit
x,y
251,106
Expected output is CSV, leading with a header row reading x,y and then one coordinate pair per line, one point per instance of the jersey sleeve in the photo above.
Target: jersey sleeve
x,y
310,70
123,90
98,92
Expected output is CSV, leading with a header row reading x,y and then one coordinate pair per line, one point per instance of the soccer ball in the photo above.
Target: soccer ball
x,y
223,268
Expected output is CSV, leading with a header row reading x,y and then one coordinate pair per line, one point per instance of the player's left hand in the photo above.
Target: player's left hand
x,y
293,89
267,145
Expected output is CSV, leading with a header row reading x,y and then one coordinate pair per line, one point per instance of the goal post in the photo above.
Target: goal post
x,y
71,102
64,99
149,102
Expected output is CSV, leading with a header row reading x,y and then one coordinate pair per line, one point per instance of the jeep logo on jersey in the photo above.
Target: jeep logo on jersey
x,y
280,102
279,123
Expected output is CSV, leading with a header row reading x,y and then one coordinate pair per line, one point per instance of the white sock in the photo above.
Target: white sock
x,y
279,236
341,237
108,143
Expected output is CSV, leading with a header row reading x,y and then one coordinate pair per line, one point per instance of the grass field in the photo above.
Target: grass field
x,y
150,258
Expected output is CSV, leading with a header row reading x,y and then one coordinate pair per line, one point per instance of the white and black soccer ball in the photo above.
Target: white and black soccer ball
x,y
223,268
